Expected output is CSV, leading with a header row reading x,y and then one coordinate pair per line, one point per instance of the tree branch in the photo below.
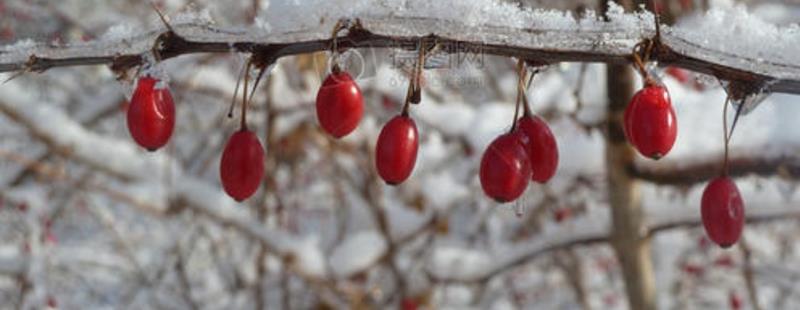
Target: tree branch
x,y
690,172
583,231
607,42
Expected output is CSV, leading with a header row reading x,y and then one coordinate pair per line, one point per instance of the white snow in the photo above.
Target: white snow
x,y
359,250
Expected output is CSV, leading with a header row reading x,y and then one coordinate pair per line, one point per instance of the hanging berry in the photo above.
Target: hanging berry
x,y
242,165
722,211
398,143
396,150
340,104
505,168
649,121
537,139
722,207
151,114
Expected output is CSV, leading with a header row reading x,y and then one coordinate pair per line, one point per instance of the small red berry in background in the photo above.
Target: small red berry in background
x,y
693,269
724,261
396,150
681,75
51,302
505,168
242,165
6,33
650,123
340,104
409,304
541,147
722,210
151,114
562,214
735,301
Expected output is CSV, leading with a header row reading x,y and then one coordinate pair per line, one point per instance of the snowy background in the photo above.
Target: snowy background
x,y
89,220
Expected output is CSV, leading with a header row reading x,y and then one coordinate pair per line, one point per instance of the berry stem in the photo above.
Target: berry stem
x,y
236,92
414,84
335,45
729,133
521,73
725,135
243,124
639,64
528,111
656,20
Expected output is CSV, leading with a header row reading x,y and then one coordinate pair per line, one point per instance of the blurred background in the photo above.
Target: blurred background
x,y
122,232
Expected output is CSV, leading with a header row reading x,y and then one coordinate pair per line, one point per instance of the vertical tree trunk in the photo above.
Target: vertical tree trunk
x,y
628,236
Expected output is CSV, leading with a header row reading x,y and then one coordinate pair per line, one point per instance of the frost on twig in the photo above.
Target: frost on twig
x,y
763,56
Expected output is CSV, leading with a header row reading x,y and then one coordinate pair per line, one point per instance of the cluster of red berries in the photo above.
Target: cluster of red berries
x,y
528,152
151,120
650,125
340,107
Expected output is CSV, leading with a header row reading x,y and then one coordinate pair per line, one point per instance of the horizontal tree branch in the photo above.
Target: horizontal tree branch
x,y
604,42
585,230
690,172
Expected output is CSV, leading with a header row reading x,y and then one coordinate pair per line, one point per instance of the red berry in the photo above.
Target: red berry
x,y
541,147
151,114
396,150
242,165
505,168
679,74
693,269
409,304
562,214
724,261
339,104
735,301
650,122
722,211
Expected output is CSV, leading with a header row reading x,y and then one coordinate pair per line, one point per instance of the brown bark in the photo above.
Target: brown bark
x,y
628,233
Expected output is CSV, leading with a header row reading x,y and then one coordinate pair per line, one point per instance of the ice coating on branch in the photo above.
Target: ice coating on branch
x,y
739,32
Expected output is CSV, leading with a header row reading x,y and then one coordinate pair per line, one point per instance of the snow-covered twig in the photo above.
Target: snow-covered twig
x,y
536,36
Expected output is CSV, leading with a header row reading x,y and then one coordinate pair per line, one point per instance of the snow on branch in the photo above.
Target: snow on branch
x,y
755,55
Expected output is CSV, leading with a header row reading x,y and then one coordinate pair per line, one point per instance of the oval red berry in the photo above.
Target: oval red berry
x,y
396,150
505,168
722,211
340,104
242,165
650,122
541,147
151,114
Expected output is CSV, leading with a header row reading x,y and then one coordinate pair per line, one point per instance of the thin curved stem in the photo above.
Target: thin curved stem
x,y
725,135
243,124
521,73
236,91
